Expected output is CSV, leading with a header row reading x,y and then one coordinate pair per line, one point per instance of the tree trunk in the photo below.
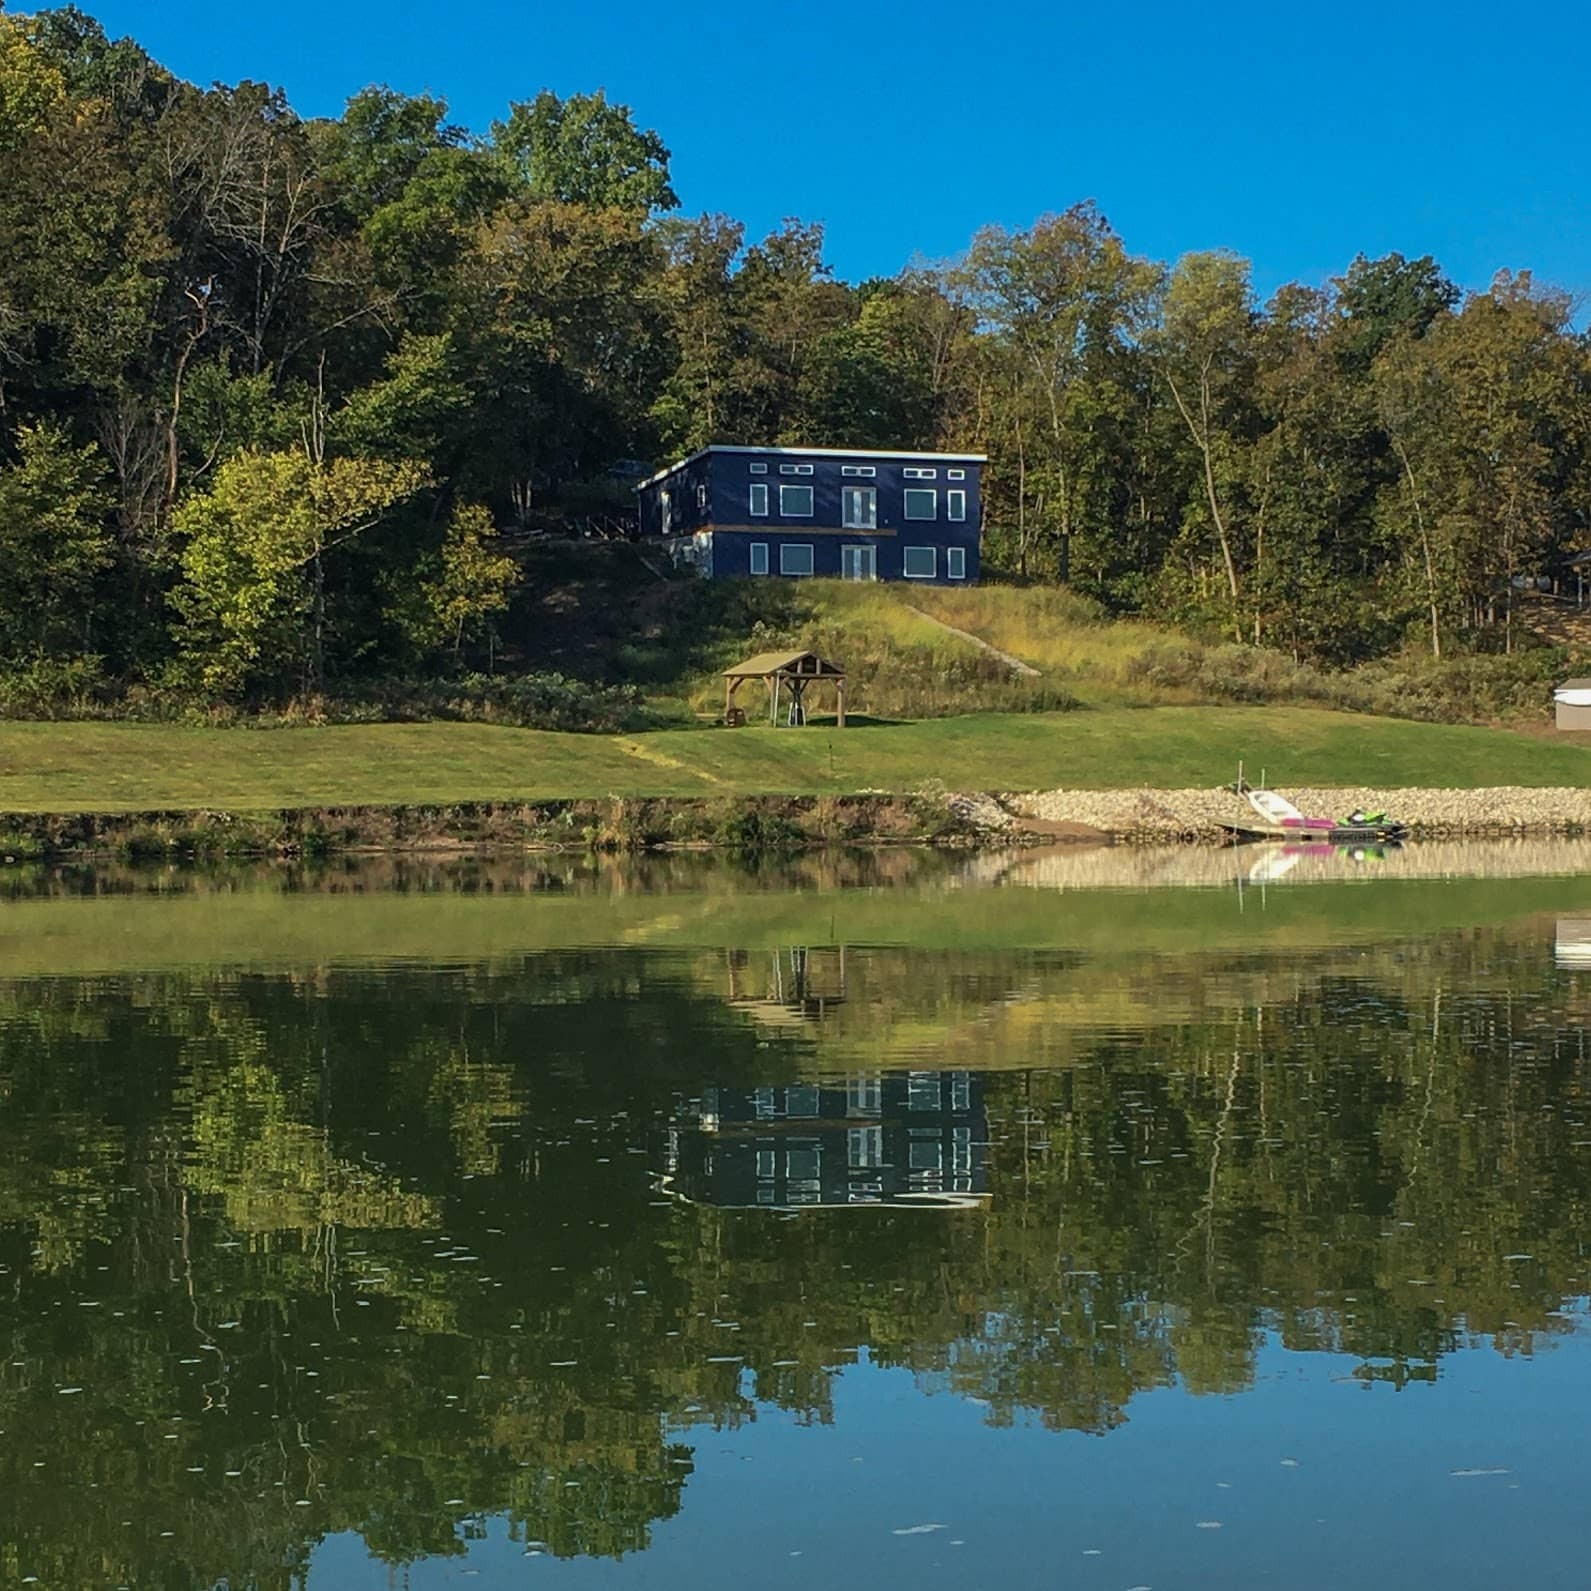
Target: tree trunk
x,y
1200,432
1425,548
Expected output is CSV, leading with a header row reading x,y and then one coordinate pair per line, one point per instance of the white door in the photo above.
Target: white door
x,y
859,563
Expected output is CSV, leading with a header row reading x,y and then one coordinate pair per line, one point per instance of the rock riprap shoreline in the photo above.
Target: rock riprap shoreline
x,y
1157,816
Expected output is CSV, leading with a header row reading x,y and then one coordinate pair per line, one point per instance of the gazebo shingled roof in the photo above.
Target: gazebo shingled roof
x,y
777,669
766,663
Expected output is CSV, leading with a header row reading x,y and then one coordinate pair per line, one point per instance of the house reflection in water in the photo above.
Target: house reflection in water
x,y
893,1138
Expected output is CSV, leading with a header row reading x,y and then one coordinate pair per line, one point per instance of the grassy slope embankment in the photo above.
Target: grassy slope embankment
x,y
959,718
106,767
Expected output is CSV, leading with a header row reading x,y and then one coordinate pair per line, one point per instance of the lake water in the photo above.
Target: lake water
x,y
1057,1220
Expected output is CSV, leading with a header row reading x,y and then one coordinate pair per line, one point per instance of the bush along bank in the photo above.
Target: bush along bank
x,y
614,824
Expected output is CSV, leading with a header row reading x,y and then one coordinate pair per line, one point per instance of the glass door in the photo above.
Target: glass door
x,y
859,563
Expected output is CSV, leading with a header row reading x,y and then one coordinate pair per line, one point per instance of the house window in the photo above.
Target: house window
x,y
758,469
795,501
956,505
920,563
956,562
795,560
864,1148
759,557
701,497
666,499
801,1100
795,469
759,497
864,1096
922,502
859,507
858,469
919,475
955,475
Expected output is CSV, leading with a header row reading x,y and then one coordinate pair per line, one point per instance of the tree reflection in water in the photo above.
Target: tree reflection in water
x,y
391,1251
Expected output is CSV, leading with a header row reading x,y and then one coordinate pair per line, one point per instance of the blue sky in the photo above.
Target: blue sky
x,y
1298,135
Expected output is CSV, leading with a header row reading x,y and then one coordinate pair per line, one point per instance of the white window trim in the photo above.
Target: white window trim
x,y
798,546
923,519
701,496
955,475
921,475
797,513
871,522
752,560
795,469
956,506
858,469
906,552
758,469
955,563
759,492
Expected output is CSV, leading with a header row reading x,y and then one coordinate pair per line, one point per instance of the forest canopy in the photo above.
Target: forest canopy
x,y
279,396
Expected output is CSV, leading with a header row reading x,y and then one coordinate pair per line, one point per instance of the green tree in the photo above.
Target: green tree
x,y
1205,347
582,150
253,593
1058,303
468,583
53,544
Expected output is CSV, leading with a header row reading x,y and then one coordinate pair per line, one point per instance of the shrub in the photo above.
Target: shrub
x,y
48,687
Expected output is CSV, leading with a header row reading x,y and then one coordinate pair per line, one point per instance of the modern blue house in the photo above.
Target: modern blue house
x,y
854,513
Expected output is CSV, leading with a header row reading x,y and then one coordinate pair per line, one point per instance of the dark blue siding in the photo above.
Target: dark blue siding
x,y
732,553
727,477
690,492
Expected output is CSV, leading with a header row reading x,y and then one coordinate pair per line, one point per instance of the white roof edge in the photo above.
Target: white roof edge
x,y
813,452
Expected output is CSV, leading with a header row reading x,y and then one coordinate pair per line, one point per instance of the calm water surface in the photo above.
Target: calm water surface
x,y
906,1222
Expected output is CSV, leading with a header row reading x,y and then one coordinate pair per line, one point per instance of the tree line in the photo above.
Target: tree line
x,y
276,393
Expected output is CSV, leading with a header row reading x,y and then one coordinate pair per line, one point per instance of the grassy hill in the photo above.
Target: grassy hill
x,y
609,613
1111,704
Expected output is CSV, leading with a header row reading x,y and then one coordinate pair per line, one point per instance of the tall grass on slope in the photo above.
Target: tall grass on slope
x,y
898,665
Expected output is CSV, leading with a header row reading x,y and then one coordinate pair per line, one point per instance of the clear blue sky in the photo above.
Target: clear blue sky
x,y
1298,135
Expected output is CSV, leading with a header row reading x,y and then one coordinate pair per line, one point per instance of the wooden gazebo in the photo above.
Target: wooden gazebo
x,y
784,673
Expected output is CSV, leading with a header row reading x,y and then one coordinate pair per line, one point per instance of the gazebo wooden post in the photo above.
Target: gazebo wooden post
x,y
773,700
839,697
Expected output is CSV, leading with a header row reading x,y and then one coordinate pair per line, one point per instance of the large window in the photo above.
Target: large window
x,y
919,563
759,497
956,562
795,502
956,505
922,502
795,560
759,557
859,507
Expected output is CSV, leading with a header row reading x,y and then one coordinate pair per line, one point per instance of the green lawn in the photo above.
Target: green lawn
x,y
107,767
